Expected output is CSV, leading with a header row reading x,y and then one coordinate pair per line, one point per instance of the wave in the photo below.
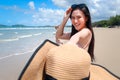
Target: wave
x,y
14,39
20,37
7,40
1,34
16,32
25,28
16,54
37,34
24,36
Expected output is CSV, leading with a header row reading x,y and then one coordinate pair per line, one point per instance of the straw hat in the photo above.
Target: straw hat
x,y
64,62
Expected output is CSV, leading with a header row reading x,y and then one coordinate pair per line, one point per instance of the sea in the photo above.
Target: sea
x,y
17,45
19,41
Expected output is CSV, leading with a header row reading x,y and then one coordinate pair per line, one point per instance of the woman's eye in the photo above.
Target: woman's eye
x,y
78,17
72,17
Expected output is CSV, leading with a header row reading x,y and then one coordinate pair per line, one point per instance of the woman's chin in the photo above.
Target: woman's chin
x,y
78,29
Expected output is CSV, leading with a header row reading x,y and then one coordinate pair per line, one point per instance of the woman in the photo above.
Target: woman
x,y
82,33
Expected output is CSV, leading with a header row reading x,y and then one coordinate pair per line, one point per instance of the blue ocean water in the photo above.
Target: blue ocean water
x,y
16,47
18,41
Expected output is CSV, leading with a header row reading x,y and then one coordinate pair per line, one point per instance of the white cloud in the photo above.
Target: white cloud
x,y
31,5
99,9
67,3
14,7
47,16
43,5
61,3
102,9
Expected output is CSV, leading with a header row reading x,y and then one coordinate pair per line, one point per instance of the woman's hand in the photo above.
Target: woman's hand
x,y
67,13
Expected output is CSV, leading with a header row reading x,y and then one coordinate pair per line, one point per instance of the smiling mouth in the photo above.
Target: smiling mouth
x,y
77,25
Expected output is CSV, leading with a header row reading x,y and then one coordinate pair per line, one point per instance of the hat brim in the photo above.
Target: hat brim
x,y
98,72
34,69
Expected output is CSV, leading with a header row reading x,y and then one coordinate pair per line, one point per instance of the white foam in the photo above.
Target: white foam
x,y
24,36
7,40
53,32
16,32
16,54
1,34
37,34
19,37
5,57
15,39
25,28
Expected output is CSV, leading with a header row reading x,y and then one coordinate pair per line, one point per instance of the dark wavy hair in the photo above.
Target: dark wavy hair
x,y
86,12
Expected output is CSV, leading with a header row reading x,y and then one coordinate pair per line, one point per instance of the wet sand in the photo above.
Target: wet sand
x,y
107,54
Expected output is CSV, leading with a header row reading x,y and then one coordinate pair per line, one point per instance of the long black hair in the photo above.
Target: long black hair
x,y
86,12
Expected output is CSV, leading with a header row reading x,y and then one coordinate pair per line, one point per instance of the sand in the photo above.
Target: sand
x,y
107,48
107,54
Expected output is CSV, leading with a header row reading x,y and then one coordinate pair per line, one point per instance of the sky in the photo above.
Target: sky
x,y
50,12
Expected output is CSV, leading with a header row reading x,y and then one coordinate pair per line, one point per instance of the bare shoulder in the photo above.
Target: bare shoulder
x,y
85,32
82,38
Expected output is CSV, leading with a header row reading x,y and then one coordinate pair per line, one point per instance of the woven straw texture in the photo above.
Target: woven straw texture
x,y
68,62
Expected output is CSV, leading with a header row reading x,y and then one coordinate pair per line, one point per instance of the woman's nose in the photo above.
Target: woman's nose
x,y
76,20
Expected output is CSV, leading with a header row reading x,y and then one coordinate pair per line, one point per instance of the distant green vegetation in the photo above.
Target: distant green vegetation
x,y
21,26
112,22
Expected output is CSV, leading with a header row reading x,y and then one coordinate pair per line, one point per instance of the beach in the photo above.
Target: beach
x,y
107,48
18,46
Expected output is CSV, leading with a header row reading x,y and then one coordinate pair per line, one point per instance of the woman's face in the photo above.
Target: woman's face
x,y
78,19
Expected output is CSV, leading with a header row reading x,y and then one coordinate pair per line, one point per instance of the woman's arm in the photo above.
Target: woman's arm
x,y
60,31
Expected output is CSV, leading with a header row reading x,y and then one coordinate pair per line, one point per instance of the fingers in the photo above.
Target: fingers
x,y
68,10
